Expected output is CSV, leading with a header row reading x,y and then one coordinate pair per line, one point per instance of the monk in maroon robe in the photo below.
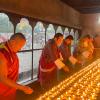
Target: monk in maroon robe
x,y
9,66
65,50
85,49
50,60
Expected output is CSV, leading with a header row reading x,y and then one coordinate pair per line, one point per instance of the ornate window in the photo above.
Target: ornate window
x,y
76,36
36,57
39,36
50,32
25,66
26,29
66,32
72,46
59,30
6,27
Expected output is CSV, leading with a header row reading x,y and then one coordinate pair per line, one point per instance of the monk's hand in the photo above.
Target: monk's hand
x,y
66,69
27,90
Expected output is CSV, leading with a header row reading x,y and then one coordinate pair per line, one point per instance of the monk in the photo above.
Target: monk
x,y
68,58
50,61
9,66
85,49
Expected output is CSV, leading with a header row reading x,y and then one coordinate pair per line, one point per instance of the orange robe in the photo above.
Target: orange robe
x,y
12,65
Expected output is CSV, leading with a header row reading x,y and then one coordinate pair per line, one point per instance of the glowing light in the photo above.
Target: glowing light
x,y
83,85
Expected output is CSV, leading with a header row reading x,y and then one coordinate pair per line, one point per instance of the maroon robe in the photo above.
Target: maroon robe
x,y
47,67
12,67
65,52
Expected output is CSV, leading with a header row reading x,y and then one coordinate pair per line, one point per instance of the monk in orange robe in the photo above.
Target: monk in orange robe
x,y
9,65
